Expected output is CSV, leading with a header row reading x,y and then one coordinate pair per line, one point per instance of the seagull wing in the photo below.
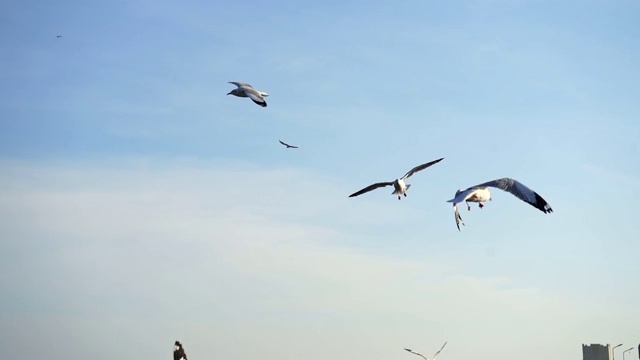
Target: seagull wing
x,y
420,167
416,353
254,95
240,84
371,187
520,191
438,352
456,213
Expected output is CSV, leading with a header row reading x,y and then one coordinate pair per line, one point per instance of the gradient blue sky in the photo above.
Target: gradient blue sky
x,y
139,204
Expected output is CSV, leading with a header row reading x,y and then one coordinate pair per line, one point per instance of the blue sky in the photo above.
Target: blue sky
x,y
139,204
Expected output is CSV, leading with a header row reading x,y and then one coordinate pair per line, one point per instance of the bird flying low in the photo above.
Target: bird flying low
x,y
287,145
426,358
246,90
399,186
480,193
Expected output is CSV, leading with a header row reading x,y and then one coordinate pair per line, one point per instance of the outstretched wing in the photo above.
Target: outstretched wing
x,y
371,187
520,191
456,213
240,84
413,352
287,145
420,167
255,96
438,352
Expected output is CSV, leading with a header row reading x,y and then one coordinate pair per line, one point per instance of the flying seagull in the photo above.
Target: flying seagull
x,y
400,188
287,145
246,90
178,352
426,358
58,36
480,193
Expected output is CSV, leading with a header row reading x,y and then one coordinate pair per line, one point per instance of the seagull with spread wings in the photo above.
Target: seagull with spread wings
x,y
287,145
399,186
480,193
246,90
426,358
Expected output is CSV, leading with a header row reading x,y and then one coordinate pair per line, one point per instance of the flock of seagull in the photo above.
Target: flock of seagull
x,y
478,193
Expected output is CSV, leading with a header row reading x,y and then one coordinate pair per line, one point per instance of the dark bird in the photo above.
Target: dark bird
x,y
400,188
59,36
178,352
287,145
426,358
480,193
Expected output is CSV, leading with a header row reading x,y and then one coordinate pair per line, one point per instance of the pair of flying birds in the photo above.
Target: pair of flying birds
x,y
477,193
246,90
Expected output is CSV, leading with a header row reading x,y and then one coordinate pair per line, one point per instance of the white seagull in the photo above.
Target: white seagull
x,y
400,188
246,90
426,358
480,193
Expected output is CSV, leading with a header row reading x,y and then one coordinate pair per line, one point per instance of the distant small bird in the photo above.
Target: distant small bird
x,y
246,90
424,357
59,36
400,188
178,352
287,145
480,193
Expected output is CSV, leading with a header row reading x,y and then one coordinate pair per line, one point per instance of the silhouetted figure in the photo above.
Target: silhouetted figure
x,y
178,352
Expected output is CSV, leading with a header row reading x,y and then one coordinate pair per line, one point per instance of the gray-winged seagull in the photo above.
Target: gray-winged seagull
x,y
426,358
246,90
480,193
400,188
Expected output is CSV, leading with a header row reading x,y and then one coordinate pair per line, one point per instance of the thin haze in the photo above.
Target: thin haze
x,y
139,204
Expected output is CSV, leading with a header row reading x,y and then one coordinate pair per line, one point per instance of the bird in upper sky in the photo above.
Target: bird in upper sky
x,y
480,193
399,186
58,36
178,352
287,145
426,358
246,90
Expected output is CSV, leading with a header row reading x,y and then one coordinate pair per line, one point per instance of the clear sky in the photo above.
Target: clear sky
x,y
139,204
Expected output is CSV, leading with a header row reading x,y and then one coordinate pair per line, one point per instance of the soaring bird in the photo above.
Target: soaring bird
x,y
58,36
246,90
426,358
480,193
178,352
400,188
287,145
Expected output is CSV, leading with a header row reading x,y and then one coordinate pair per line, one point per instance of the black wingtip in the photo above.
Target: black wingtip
x,y
542,205
263,104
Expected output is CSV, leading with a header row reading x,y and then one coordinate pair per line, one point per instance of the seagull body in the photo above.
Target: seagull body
x,y
480,193
287,145
178,352
399,186
426,358
246,90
